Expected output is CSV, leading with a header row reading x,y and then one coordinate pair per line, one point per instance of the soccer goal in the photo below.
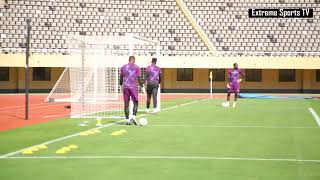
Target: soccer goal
x,y
91,85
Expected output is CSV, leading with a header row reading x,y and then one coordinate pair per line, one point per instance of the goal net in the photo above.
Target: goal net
x,y
91,85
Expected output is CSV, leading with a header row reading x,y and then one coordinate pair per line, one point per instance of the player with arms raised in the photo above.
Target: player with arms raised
x,y
235,77
130,76
153,76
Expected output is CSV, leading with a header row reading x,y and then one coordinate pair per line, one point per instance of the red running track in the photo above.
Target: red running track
x,y
12,111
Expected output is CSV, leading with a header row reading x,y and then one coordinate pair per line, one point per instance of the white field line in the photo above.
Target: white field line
x,y
70,136
170,157
172,107
315,115
185,104
227,126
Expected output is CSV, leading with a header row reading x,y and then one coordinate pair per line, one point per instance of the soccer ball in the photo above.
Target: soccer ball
x,y
224,104
143,121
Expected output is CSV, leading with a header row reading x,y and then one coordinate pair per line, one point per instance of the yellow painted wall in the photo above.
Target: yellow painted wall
x,y
270,80
310,80
17,79
200,80
253,62
12,83
55,74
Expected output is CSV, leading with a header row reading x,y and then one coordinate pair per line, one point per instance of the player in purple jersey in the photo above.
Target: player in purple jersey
x,y
130,76
235,77
153,76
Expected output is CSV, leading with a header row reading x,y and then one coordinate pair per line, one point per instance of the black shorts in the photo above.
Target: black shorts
x,y
152,88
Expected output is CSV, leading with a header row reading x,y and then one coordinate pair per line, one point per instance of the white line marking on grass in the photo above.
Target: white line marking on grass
x,y
169,157
185,104
172,107
315,116
227,126
76,134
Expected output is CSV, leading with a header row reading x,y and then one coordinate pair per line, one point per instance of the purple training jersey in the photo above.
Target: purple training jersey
x,y
130,72
234,75
154,73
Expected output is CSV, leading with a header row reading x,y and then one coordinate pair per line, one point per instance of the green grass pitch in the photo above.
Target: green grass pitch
x,y
257,140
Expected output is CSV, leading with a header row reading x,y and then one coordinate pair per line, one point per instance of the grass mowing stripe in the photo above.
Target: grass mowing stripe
x,y
76,134
315,116
169,157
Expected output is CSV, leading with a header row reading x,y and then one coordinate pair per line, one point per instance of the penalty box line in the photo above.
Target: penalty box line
x,y
173,158
315,115
77,134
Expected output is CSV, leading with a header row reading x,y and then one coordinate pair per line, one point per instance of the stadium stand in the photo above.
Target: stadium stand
x,y
226,23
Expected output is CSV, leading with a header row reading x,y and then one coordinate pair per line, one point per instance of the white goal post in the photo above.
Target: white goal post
x,y
91,85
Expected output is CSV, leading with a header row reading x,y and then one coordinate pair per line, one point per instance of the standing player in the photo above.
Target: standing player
x,y
153,76
235,77
130,76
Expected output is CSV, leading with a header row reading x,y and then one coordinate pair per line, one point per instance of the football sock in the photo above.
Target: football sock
x,y
135,108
